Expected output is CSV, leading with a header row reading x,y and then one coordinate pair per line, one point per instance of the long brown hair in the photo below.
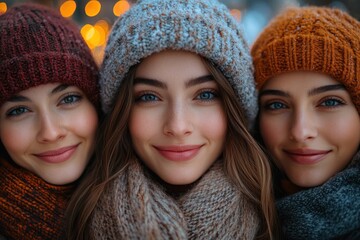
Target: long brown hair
x,y
245,163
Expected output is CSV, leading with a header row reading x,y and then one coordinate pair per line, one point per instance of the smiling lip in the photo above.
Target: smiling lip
x,y
179,153
307,156
58,155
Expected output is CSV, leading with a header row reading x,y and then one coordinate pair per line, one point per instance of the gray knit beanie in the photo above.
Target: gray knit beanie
x,y
204,27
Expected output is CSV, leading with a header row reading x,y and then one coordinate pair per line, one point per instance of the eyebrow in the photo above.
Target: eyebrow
x,y
199,80
157,83
20,98
149,81
326,89
273,92
312,92
60,88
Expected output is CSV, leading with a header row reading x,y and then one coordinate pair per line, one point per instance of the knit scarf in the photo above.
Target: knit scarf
x,y
137,207
329,211
30,208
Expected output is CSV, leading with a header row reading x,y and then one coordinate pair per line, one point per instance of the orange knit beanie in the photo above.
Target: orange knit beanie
x,y
316,39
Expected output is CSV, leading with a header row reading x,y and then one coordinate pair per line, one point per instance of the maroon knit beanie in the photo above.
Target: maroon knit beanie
x,y
39,46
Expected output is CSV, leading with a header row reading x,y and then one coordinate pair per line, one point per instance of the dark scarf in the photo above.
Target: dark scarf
x,y
137,207
30,208
329,211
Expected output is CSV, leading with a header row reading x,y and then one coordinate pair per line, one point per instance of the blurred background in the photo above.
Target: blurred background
x,y
95,17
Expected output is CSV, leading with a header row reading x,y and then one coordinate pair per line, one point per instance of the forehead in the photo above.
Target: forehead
x,y
298,81
171,64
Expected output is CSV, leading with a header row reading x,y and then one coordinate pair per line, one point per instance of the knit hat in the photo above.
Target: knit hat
x,y
316,39
39,46
204,27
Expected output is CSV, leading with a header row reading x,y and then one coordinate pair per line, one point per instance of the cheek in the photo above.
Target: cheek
x,y
344,126
271,131
16,138
213,124
143,124
344,134
85,121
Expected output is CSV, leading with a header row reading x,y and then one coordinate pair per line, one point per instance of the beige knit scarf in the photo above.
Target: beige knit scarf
x,y
137,207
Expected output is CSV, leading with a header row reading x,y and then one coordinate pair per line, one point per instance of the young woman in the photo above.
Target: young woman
x,y
48,119
307,71
176,160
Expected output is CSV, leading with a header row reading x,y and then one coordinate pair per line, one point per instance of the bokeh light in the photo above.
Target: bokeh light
x,y
236,13
94,36
92,8
3,7
68,8
104,24
121,7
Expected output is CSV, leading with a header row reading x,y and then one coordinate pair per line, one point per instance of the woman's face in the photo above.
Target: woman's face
x,y
50,130
177,124
310,126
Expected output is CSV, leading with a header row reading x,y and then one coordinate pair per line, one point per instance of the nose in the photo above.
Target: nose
x,y
50,127
178,121
303,126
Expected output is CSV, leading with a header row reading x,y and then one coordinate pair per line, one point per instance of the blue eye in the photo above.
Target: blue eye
x,y
275,106
147,98
17,111
70,99
331,103
206,95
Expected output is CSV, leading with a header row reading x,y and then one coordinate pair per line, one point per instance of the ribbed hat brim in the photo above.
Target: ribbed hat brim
x,y
23,72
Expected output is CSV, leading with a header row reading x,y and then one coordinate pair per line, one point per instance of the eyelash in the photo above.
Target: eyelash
x,y
270,105
17,111
213,92
142,95
71,96
14,112
339,102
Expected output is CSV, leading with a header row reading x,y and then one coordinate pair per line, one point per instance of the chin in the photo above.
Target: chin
x,y
308,182
61,181
62,178
184,180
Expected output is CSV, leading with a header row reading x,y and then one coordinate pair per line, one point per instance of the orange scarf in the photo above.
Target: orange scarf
x,y
30,208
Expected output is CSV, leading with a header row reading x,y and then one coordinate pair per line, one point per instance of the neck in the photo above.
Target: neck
x,y
290,188
172,190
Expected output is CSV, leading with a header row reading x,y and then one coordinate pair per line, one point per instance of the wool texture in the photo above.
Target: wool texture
x,y
330,211
30,208
39,46
204,27
316,39
135,206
